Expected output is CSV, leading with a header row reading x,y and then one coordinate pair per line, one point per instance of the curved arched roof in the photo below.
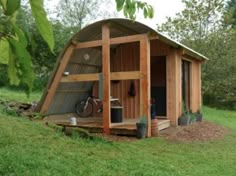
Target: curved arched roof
x,y
128,27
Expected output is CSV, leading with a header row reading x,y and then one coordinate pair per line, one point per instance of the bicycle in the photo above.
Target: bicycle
x,y
84,108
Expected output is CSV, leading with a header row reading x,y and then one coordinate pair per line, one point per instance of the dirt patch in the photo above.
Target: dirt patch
x,y
199,131
19,108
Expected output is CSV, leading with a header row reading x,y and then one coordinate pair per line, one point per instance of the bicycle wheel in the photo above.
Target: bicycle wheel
x,y
83,111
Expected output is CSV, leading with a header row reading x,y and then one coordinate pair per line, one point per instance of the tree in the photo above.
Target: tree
x,y
42,58
230,13
201,26
75,13
195,22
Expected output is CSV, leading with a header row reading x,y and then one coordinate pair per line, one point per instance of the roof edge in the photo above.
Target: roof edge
x,y
162,36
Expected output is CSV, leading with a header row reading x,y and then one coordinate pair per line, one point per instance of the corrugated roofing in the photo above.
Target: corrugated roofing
x,y
93,32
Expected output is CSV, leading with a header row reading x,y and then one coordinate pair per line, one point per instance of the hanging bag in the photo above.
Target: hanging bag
x,y
132,91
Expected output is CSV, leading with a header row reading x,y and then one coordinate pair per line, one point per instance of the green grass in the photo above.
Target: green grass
x,y
223,117
28,148
20,96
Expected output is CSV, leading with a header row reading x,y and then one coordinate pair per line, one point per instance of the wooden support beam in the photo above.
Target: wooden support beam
x,y
191,84
145,89
106,77
127,39
72,91
114,41
88,44
85,64
81,78
57,78
195,85
129,75
173,84
199,86
192,55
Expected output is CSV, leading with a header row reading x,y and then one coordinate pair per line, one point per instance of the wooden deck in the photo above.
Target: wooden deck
x,y
95,124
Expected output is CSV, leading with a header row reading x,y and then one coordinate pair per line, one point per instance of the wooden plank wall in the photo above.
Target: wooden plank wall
x,y
173,65
195,88
126,58
159,48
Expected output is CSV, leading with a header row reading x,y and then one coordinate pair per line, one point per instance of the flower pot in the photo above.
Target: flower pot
x,y
184,120
199,117
141,130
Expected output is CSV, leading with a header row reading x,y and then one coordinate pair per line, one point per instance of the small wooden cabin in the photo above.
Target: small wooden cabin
x,y
131,57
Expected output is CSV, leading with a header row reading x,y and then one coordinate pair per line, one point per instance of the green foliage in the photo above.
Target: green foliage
x,y
23,63
120,4
11,94
12,70
14,44
221,117
206,32
230,13
42,23
195,22
130,7
11,7
4,51
3,75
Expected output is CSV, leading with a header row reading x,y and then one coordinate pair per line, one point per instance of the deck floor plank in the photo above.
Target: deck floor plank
x,y
95,124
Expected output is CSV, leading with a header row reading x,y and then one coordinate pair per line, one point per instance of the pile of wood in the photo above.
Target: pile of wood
x,y
19,108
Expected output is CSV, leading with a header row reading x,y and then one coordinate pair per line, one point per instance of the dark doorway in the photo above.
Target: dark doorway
x,y
186,84
158,83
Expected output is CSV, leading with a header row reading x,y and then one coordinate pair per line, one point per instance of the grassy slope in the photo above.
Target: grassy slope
x,y
28,148
19,96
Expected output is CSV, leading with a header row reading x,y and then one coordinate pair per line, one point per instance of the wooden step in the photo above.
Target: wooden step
x,y
125,129
163,124
130,129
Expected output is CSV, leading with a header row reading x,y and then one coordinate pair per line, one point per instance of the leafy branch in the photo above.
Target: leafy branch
x,y
130,7
13,41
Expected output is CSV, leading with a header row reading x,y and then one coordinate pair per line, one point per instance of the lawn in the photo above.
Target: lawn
x,y
29,148
19,95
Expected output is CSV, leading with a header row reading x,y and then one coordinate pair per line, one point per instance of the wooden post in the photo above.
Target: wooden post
x,y
145,82
200,85
57,79
106,77
174,102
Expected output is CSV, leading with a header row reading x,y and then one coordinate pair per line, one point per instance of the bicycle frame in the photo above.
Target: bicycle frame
x,y
93,99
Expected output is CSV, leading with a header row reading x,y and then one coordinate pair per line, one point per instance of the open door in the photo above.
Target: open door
x,y
158,83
